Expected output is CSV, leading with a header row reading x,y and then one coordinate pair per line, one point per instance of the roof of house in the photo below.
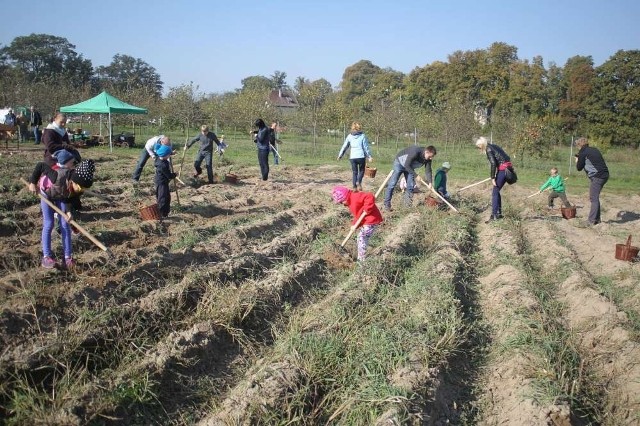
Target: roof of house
x,y
282,98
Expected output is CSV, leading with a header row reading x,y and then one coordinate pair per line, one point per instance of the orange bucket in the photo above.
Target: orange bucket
x,y
626,251
151,212
370,172
568,212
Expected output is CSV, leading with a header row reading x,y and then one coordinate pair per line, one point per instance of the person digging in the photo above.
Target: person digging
x,y
205,153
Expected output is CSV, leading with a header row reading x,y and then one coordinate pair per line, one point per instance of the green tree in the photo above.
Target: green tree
x,y
614,105
357,79
43,56
126,75
182,107
577,86
279,80
256,82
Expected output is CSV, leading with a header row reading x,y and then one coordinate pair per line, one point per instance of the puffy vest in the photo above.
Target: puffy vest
x,y
61,189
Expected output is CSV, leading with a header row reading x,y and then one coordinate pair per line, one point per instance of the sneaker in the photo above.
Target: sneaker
x,y
493,218
360,187
48,262
196,174
387,208
69,263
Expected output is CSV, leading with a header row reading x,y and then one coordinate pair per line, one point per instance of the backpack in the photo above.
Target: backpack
x,y
510,175
61,188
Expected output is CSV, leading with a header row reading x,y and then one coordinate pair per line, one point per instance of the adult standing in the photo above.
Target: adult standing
x,y
405,164
499,162
148,152
262,142
359,144
591,161
10,118
35,121
23,125
273,141
207,139
55,138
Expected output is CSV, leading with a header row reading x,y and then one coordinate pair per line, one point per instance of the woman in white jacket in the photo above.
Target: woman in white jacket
x,y
360,150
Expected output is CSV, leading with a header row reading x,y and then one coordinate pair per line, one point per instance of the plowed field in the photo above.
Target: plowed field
x,y
241,308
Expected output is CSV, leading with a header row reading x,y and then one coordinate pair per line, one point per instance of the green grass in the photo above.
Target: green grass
x,y
468,165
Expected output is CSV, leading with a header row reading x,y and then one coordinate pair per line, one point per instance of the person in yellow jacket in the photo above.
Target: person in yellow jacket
x,y
556,183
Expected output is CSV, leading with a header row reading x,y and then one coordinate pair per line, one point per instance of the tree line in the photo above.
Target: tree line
x,y
524,104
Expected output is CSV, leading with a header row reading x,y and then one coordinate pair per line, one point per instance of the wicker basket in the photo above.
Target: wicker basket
x,y
568,212
230,178
432,202
370,172
151,212
626,251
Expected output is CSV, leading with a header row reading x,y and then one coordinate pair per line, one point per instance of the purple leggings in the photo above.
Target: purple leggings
x,y
47,227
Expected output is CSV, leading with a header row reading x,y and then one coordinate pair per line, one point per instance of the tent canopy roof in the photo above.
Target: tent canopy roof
x,y
104,103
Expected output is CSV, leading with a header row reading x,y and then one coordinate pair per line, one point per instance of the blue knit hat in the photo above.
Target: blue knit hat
x,y
62,156
163,151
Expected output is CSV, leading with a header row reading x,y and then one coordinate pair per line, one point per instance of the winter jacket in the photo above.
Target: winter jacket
x,y
357,202
54,182
56,138
497,157
163,172
206,141
555,182
440,182
36,119
262,139
590,159
359,146
412,157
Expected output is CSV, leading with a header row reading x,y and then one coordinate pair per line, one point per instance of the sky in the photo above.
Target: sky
x,y
216,44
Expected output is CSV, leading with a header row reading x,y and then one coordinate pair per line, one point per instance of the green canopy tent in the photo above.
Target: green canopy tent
x,y
104,103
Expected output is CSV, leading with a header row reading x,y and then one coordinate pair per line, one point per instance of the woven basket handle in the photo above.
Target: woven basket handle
x,y
629,242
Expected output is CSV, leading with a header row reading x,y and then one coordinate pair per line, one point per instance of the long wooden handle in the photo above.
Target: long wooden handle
x,y
73,222
184,152
353,229
533,195
438,194
474,184
361,218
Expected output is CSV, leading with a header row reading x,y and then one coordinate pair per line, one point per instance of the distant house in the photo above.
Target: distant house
x,y
283,99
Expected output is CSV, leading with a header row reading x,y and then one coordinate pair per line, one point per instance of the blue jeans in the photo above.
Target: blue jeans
x,y
276,160
208,162
36,134
395,177
496,198
357,168
47,227
142,160
595,187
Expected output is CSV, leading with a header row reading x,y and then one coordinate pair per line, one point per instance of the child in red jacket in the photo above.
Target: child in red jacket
x,y
359,203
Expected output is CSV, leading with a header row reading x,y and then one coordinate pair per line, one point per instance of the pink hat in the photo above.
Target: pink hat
x,y
340,194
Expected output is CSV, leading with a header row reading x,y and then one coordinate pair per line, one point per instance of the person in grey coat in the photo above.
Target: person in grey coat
x,y
359,144
207,139
405,164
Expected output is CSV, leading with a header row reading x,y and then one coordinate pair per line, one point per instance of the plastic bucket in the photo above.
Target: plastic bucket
x,y
568,212
230,178
626,251
151,212
370,172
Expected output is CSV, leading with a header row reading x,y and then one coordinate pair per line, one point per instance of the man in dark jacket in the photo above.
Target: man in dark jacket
x,y
35,121
261,138
405,164
207,139
590,159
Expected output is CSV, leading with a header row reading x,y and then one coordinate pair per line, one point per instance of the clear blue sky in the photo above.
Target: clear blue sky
x,y
216,43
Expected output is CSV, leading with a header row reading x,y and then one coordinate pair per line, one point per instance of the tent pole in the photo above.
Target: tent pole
x,y
110,135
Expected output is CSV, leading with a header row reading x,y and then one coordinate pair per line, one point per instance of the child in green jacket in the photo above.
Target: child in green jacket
x,y
556,183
